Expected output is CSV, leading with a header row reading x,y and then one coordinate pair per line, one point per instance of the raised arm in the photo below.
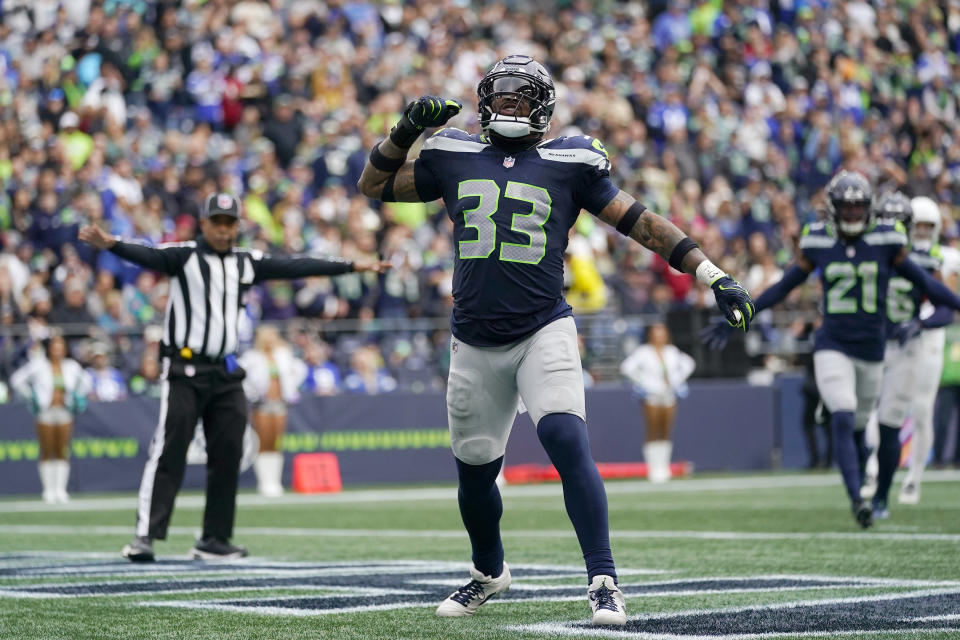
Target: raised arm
x,y
167,260
938,293
268,268
388,175
661,236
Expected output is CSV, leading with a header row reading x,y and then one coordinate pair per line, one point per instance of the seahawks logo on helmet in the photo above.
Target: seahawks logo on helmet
x,y
849,203
895,207
516,97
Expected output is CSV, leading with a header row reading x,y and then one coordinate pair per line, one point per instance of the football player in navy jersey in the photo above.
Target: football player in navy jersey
x,y
513,196
855,257
901,361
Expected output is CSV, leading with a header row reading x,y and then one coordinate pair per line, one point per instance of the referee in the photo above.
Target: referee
x,y
201,378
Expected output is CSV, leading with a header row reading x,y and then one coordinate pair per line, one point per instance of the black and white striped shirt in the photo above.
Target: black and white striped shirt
x,y
207,287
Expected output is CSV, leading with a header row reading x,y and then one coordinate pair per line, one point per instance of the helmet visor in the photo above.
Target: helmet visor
x,y
513,96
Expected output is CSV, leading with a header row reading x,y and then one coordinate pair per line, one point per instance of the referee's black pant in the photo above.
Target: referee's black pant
x,y
194,390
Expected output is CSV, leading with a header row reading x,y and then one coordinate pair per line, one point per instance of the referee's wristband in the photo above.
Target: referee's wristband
x,y
381,162
708,273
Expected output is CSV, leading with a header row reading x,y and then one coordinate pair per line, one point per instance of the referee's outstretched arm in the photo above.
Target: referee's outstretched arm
x,y
170,258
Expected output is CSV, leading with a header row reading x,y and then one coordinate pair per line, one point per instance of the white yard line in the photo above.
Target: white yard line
x,y
565,629
758,482
303,532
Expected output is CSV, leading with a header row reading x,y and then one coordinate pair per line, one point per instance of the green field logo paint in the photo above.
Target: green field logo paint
x,y
828,604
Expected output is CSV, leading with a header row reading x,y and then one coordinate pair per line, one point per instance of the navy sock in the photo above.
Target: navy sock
x,y
564,437
888,457
845,448
863,451
480,509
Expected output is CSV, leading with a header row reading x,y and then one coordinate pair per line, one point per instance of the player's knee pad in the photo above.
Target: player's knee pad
x,y
476,450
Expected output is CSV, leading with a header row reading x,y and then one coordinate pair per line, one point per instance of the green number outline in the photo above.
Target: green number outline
x,y
900,304
484,213
512,188
868,285
842,277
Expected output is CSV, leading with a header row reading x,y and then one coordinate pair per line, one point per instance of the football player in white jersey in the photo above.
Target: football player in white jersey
x,y
925,233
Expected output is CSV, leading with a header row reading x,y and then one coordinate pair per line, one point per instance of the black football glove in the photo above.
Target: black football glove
x,y
423,113
732,298
908,330
716,334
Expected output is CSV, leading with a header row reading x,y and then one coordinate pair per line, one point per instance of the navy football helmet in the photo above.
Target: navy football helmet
x,y
516,98
894,206
849,202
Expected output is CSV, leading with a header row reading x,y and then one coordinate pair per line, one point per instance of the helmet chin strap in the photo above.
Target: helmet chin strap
x,y
510,128
852,228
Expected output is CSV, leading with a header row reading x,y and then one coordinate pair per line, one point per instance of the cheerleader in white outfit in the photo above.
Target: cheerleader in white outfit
x,y
659,372
56,389
273,380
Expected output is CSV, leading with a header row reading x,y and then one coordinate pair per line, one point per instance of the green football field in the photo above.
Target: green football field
x,y
725,556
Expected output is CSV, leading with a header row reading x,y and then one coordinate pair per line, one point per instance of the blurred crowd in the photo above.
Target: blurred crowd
x,y
727,117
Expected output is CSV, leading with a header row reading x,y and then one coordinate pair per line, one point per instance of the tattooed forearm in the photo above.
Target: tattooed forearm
x,y
651,230
660,235
372,180
404,185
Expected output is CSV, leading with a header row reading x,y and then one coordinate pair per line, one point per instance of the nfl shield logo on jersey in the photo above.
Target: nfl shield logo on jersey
x,y
508,162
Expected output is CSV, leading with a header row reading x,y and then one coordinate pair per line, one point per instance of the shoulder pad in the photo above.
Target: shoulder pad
x,y
456,140
895,234
577,149
575,142
815,235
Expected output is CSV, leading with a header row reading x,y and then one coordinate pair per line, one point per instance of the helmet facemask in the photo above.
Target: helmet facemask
x,y
515,104
852,216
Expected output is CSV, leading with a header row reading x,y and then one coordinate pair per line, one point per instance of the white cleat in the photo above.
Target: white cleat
x,y
467,599
606,602
909,493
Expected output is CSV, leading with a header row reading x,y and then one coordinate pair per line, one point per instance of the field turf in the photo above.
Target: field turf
x,y
725,556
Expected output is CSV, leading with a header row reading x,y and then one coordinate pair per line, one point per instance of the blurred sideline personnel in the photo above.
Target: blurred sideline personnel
x,y
914,352
513,197
201,376
659,372
855,256
274,376
55,387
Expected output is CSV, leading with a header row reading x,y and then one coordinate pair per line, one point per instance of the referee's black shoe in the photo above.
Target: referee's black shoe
x,y
217,549
140,549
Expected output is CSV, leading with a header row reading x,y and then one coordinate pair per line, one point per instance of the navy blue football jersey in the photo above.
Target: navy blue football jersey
x,y
855,281
511,217
903,298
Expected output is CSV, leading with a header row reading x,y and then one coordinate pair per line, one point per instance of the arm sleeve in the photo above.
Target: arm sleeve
x,y
794,277
20,380
426,183
938,292
942,316
267,268
167,260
